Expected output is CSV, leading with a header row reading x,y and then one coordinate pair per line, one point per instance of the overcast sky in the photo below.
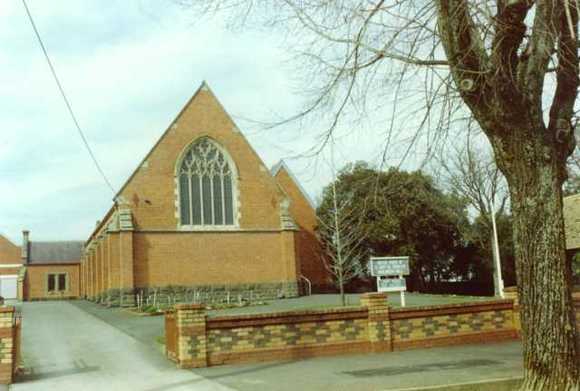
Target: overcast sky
x,y
128,67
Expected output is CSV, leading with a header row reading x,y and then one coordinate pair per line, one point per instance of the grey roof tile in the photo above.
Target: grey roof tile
x,y
55,252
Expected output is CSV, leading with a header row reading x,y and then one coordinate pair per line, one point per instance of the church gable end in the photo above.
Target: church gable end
x,y
200,212
153,191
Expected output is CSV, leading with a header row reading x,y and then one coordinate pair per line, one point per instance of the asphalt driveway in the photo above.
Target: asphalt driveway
x,y
66,348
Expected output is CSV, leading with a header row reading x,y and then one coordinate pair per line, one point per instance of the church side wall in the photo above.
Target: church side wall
x,y
307,246
214,263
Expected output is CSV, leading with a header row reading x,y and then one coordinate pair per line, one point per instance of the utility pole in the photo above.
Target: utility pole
x,y
498,280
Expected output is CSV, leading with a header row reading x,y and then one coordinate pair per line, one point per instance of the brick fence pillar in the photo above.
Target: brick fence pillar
x,y
379,322
512,293
191,335
6,345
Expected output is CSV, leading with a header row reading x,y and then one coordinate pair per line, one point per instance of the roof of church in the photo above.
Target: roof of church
x,y
282,165
55,252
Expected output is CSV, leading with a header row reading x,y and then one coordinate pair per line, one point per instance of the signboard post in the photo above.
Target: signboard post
x,y
390,267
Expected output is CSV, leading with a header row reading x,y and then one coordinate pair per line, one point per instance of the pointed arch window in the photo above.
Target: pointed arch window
x,y
206,185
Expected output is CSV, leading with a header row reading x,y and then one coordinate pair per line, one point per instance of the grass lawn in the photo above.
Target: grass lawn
x,y
315,302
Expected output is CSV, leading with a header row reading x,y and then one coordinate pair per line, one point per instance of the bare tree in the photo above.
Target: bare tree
x,y
426,65
341,235
342,238
472,174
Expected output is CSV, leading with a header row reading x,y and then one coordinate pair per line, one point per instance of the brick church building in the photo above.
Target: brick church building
x,y
201,218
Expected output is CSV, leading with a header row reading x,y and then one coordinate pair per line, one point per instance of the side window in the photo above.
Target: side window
x,y
62,282
57,282
51,282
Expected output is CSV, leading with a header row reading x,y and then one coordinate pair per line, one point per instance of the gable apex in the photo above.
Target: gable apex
x,y
282,166
204,86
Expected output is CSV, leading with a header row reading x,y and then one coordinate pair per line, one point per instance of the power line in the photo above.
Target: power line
x,y
66,101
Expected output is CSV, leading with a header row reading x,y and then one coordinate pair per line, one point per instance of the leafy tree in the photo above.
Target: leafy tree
x,y
402,213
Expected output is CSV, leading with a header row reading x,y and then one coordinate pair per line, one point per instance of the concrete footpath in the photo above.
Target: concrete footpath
x,y
66,348
447,367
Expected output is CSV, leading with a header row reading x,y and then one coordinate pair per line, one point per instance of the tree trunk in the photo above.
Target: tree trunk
x,y
551,350
342,298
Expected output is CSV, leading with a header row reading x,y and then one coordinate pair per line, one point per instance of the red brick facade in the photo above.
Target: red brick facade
x,y
36,282
141,245
307,246
10,253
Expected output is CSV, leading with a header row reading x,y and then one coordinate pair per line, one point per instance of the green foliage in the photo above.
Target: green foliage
x,y
403,213
150,309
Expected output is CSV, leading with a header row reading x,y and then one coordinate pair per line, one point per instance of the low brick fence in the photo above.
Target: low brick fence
x,y
10,332
196,340
453,324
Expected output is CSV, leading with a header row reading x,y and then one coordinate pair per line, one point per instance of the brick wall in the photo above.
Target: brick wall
x,y
373,327
452,324
286,336
307,246
36,282
8,344
209,258
9,252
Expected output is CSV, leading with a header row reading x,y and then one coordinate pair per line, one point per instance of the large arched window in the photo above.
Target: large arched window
x,y
206,186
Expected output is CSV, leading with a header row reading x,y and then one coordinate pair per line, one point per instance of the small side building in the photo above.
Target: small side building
x,y
10,267
39,270
51,269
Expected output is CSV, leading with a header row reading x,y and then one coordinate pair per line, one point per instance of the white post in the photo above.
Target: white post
x,y
497,275
402,295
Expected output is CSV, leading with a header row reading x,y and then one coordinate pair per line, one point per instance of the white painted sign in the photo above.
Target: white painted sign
x,y
389,266
391,284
